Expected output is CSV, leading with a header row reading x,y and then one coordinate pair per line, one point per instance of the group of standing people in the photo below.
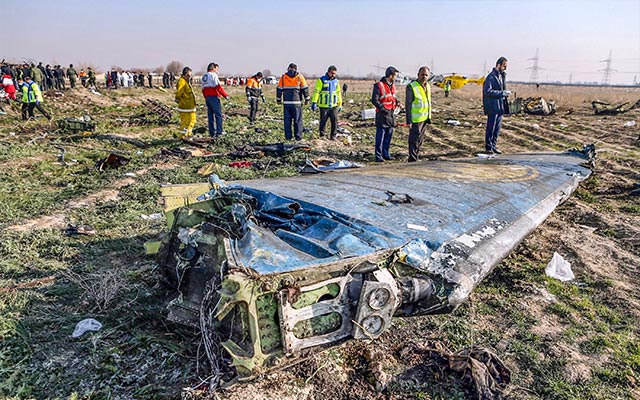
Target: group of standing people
x,y
291,91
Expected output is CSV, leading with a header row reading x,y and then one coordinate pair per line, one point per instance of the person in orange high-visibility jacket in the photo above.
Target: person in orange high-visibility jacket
x,y
186,100
292,90
254,91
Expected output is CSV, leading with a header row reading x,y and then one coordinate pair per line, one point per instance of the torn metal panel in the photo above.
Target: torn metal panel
x,y
273,269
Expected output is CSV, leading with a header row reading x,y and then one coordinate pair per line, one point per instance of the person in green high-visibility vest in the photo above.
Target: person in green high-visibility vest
x,y
418,111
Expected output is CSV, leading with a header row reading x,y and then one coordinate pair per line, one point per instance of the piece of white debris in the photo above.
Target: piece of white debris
x,y
86,325
559,268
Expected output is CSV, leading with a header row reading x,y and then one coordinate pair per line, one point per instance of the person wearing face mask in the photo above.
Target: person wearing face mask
x,y
495,104
291,91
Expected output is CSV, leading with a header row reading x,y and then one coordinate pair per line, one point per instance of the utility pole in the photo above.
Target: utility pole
x,y
570,78
606,72
534,69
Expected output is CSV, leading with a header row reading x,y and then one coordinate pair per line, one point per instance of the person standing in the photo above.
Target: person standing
x,y
328,97
83,78
92,78
495,104
150,79
186,100
49,77
292,89
212,90
60,77
254,91
418,111
72,75
447,88
31,98
36,75
383,97
6,84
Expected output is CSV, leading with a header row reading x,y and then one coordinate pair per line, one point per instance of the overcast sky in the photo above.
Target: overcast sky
x,y
355,35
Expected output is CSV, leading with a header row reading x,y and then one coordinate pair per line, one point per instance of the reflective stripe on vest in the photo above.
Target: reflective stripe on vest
x,y
421,104
387,95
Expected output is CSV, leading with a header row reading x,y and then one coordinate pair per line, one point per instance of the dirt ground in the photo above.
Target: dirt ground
x,y
560,340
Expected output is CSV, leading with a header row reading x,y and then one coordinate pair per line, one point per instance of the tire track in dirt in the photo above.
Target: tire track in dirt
x,y
541,141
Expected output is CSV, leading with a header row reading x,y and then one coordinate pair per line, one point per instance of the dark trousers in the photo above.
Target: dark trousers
x,y
383,141
253,110
492,132
27,111
416,136
332,114
292,114
72,82
214,112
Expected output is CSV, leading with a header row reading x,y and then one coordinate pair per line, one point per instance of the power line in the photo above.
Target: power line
x,y
606,72
534,69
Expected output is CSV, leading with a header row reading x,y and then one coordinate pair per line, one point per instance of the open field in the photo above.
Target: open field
x,y
574,340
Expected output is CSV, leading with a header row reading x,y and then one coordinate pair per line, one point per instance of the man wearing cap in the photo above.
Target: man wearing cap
x,y
328,97
254,91
418,111
212,90
292,89
384,99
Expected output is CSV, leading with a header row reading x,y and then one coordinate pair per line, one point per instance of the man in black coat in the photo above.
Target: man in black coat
x,y
495,104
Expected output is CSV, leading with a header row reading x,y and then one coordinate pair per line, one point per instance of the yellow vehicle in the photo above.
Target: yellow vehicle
x,y
457,81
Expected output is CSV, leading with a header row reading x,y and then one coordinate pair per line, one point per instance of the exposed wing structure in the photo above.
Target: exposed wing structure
x,y
274,269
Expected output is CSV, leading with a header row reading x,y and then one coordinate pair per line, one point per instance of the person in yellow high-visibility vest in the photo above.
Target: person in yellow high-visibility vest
x,y
418,110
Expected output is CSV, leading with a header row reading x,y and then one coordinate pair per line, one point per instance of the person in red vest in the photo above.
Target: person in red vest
x,y
384,99
7,84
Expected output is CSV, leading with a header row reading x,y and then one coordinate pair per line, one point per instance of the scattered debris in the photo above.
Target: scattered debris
x,y
539,106
559,268
326,164
479,365
453,122
418,227
602,108
84,326
111,161
629,124
369,113
636,191
207,169
76,125
151,217
276,149
156,113
79,230
240,164
399,198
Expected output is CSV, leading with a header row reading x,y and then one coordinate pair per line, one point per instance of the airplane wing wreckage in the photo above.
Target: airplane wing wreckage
x,y
272,270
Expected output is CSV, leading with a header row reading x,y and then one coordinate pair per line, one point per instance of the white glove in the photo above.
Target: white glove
x,y
506,93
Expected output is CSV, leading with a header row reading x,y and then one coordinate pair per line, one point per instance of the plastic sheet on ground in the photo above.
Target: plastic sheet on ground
x,y
559,268
86,325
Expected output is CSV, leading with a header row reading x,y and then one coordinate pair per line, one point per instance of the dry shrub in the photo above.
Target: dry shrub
x,y
101,290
